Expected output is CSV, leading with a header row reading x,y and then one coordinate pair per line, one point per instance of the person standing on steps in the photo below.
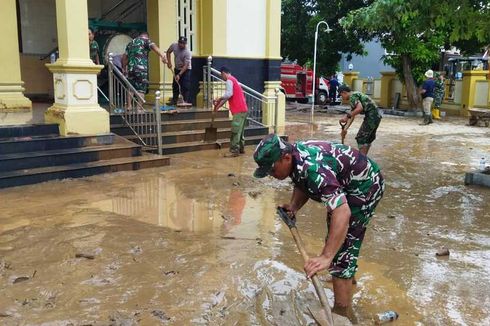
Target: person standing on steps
x,y
347,183
135,62
94,47
182,71
360,103
238,108
427,92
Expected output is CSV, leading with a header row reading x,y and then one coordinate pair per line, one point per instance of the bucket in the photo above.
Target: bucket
x,y
443,114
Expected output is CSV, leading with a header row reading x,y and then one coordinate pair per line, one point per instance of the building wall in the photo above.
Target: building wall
x,y
246,28
370,65
38,26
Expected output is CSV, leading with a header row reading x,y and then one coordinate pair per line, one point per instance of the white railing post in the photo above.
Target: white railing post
x,y
210,90
276,111
158,122
111,83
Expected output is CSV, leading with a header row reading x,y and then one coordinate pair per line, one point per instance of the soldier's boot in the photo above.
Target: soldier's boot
x,y
426,120
436,113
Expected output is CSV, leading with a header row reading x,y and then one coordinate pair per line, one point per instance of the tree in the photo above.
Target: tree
x,y
415,31
299,19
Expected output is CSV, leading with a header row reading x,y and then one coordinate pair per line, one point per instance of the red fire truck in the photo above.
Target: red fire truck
x,y
297,83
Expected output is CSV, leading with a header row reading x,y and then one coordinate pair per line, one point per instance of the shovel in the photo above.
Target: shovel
x,y
342,125
211,132
324,317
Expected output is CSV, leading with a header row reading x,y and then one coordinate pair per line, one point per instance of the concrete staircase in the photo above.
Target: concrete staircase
x,y
36,153
184,131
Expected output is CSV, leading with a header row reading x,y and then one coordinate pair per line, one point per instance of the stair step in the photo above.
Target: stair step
x,y
198,135
29,160
177,148
36,175
11,131
173,126
183,114
52,142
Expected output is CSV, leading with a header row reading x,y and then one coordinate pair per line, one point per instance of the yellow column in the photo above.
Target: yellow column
x,y
12,98
386,79
349,77
469,80
211,34
162,27
273,55
212,25
75,76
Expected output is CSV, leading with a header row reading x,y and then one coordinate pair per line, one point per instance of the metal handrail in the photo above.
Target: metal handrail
x,y
253,91
126,82
128,103
255,100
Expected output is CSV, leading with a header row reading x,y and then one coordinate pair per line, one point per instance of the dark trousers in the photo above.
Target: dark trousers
x,y
185,83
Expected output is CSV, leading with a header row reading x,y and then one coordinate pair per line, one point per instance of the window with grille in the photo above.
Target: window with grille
x,y
186,20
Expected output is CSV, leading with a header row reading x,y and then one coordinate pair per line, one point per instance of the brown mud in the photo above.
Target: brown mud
x,y
198,242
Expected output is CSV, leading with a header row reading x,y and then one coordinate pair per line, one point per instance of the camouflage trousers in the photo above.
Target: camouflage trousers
x,y
344,264
139,80
367,132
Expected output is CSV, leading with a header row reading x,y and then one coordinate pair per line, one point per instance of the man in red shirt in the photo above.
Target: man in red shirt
x,y
238,108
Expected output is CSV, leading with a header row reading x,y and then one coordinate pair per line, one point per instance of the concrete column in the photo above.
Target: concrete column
x,y
349,77
268,110
75,76
12,98
469,83
273,31
386,79
272,53
162,27
212,27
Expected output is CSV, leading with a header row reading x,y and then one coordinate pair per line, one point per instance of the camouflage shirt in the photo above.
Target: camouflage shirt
x,y
94,50
438,92
137,52
368,105
335,174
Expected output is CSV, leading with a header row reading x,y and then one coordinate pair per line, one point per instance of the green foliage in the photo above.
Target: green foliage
x,y
299,20
419,29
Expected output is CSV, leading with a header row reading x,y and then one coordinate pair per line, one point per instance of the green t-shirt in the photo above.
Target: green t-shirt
x,y
94,50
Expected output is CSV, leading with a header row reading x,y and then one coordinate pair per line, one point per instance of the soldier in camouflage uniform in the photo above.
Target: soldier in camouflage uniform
x,y
135,61
438,95
346,182
94,47
361,103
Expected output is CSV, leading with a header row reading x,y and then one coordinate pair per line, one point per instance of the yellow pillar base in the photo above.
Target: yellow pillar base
x,y
12,98
268,110
75,92
84,120
200,96
386,80
470,78
349,77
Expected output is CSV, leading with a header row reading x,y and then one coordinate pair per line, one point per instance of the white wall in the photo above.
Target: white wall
x,y
246,28
38,26
38,21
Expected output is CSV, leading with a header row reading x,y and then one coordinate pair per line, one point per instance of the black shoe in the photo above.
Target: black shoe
x,y
242,150
232,154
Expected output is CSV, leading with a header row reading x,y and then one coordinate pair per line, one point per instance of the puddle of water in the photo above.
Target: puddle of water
x,y
189,244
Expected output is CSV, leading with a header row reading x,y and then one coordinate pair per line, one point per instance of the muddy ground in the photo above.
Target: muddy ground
x,y
198,242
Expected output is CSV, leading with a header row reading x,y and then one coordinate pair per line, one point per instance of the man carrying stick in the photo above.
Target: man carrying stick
x,y
360,103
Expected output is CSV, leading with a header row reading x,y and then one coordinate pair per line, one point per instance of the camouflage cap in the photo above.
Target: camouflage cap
x,y
268,151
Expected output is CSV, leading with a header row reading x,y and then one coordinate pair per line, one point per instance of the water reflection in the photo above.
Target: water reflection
x,y
159,201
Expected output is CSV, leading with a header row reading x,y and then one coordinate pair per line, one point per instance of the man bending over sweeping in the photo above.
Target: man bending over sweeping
x,y
346,182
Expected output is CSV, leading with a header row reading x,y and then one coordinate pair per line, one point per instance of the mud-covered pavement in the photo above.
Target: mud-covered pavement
x,y
198,242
